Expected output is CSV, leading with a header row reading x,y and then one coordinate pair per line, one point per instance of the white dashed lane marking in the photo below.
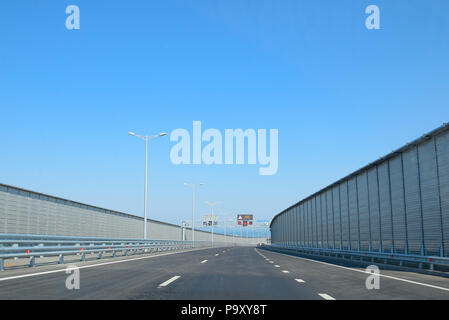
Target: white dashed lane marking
x,y
326,296
204,261
299,280
166,283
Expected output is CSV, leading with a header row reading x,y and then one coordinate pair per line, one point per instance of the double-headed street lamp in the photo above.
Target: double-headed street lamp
x,y
193,207
146,139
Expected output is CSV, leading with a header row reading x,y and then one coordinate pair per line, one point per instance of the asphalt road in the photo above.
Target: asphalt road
x,y
221,273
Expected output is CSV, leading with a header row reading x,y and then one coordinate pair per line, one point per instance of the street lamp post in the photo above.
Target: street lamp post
x,y
211,205
146,139
193,208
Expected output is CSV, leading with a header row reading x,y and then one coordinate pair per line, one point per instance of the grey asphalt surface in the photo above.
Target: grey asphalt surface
x,y
237,273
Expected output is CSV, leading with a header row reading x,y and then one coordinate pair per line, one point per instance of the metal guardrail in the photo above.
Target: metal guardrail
x,y
387,258
35,246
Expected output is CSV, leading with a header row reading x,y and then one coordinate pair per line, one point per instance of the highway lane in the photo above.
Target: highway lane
x,y
218,273
238,273
346,281
122,279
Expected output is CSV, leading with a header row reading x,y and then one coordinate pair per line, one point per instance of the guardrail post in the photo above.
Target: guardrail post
x,y
41,245
61,259
32,261
2,264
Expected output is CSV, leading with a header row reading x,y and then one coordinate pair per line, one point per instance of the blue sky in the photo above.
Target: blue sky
x,y
340,95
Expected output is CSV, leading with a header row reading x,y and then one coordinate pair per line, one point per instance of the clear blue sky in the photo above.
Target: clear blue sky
x,y
340,95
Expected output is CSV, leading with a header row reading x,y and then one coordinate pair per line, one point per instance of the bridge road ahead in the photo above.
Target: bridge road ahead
x,y
219,273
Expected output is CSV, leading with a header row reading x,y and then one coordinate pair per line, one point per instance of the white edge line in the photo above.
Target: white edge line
x,y
382,275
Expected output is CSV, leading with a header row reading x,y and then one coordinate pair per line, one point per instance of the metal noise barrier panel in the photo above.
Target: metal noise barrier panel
x,y
398,204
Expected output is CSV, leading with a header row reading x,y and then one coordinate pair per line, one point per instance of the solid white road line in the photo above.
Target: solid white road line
x,y
166,283
91,265
326,296
362,271
300,280
204,261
